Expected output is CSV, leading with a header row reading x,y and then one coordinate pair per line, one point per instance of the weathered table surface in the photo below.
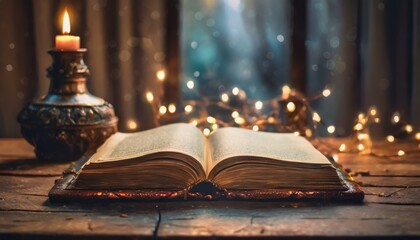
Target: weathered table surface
x,y
391,207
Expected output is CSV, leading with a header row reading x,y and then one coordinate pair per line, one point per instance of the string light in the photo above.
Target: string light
x,y
258,105
308,132
162,109
224,97
255,128
401,153
360,147
206,131
342,147
358,127
286,91
326,92
390,138
331,129
316,117
296,133
362,136
211,120
149,97
408,128
373,111
190,84
131,124
235,91
240,120
194,122
235,114
396,118
161,75
417,136
188,108
172,108
291,106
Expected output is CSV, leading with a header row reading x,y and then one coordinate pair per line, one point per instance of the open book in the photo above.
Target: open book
x,y
176,157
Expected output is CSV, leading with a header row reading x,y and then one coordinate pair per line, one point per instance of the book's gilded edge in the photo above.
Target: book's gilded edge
x,y
202,190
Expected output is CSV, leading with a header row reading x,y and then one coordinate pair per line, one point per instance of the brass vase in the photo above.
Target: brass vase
x,y
68,121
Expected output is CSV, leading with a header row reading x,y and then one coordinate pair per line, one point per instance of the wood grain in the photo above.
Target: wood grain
x,y
391,207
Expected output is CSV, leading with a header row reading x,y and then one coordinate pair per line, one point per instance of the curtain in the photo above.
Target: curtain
x,y
125,42
367,52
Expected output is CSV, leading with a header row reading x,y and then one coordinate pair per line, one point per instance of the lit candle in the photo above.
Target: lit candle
x,y
66,41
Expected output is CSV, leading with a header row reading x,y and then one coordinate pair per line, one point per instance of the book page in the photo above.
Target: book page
x,y
235,142
180,138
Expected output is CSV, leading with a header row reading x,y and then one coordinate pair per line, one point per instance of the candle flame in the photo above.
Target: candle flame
x,y
66,23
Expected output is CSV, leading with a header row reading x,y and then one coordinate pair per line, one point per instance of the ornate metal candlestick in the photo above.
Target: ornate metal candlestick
x,y
68,121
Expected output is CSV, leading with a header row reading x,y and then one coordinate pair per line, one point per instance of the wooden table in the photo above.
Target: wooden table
x,y
391,207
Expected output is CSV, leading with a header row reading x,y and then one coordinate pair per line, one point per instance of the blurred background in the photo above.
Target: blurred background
x,y
366,52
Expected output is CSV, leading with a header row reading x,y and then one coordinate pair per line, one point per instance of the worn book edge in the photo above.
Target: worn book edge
x,y
201,190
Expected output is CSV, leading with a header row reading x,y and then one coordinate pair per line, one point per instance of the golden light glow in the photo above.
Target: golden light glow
x,y
360,147
377,120
258,105
224,97
206,131
194,122
335,157
342,147
149,97
308,132
373,111
271,120
296,133
358,127
214,126
235,114
239,120
255,128
408,128
188,108
66,23
401,153
172,108
190,84
286,91
361,116
362,136
396,118
390,138
326,92
131,124
316,117
417,136
161,75
291,106
211,120
331,129
235,91
162,109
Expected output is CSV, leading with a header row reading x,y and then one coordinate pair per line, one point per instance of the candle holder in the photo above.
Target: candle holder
x,y
68,121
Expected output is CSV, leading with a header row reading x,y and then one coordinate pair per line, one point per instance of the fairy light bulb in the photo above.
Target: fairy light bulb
x,y
161,75
235,114
239,120
326,92
286,91
360,147
188,108
358,127
316,117
190,84
224,97
395,118
342,147
206,131
390,138
331,129
131,124
258,105
291,107
235,91
401,153
255,128
163,109
211,120
408,128
172,108
417,136
149,97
